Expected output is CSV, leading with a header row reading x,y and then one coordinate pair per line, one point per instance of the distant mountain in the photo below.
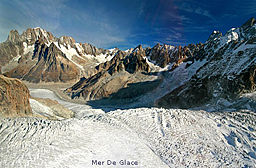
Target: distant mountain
x,y
113,75
226,70
66,60
133,73
36,55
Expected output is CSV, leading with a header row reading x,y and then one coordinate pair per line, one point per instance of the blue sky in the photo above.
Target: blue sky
x,y
126,23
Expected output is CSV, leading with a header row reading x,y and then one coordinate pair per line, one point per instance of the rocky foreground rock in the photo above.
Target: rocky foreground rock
x,y
14,98
15,101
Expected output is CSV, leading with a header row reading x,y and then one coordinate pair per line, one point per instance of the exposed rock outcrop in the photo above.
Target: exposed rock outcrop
x,y
13,36
14,98
165,54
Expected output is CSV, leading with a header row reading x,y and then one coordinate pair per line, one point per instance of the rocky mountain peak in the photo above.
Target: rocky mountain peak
x,y
227,69
13,36
215,35
157,46
160,54
136,62
92,50
248,23
138,48
31,35
66,40
52,65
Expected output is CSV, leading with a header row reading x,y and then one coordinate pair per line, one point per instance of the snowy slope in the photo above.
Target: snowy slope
x,y
71,143
170,81
154,137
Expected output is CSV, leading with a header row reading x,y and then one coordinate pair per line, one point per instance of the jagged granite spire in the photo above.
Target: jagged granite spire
x,y
13,36
249,23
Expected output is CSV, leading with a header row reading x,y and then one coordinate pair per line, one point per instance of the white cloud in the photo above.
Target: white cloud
x,y
194,8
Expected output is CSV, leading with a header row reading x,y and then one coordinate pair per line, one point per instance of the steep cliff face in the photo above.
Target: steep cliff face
x,y
163,55
9,52
14,98
228,72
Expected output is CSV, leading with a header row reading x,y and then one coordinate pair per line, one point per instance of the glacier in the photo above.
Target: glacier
x,y
154,137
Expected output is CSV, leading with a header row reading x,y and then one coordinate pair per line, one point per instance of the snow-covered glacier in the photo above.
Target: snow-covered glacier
x,y
152,137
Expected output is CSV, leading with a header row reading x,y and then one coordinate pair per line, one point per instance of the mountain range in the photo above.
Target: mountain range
x,y
181,76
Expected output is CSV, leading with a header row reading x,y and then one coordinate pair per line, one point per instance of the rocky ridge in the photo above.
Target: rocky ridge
x,y
21,56
228,71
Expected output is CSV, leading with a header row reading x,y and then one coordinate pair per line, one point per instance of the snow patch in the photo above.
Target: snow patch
x,y
69,52
112,50
16,59
28,49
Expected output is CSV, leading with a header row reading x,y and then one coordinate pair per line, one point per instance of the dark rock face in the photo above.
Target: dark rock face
x,y
14,98
228,73
92,50
163,55
113,64
136,62
8,51
249,23
160,54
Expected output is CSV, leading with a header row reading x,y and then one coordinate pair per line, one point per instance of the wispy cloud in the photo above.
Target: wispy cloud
x,y
23,14
61,19
196,9
245,7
